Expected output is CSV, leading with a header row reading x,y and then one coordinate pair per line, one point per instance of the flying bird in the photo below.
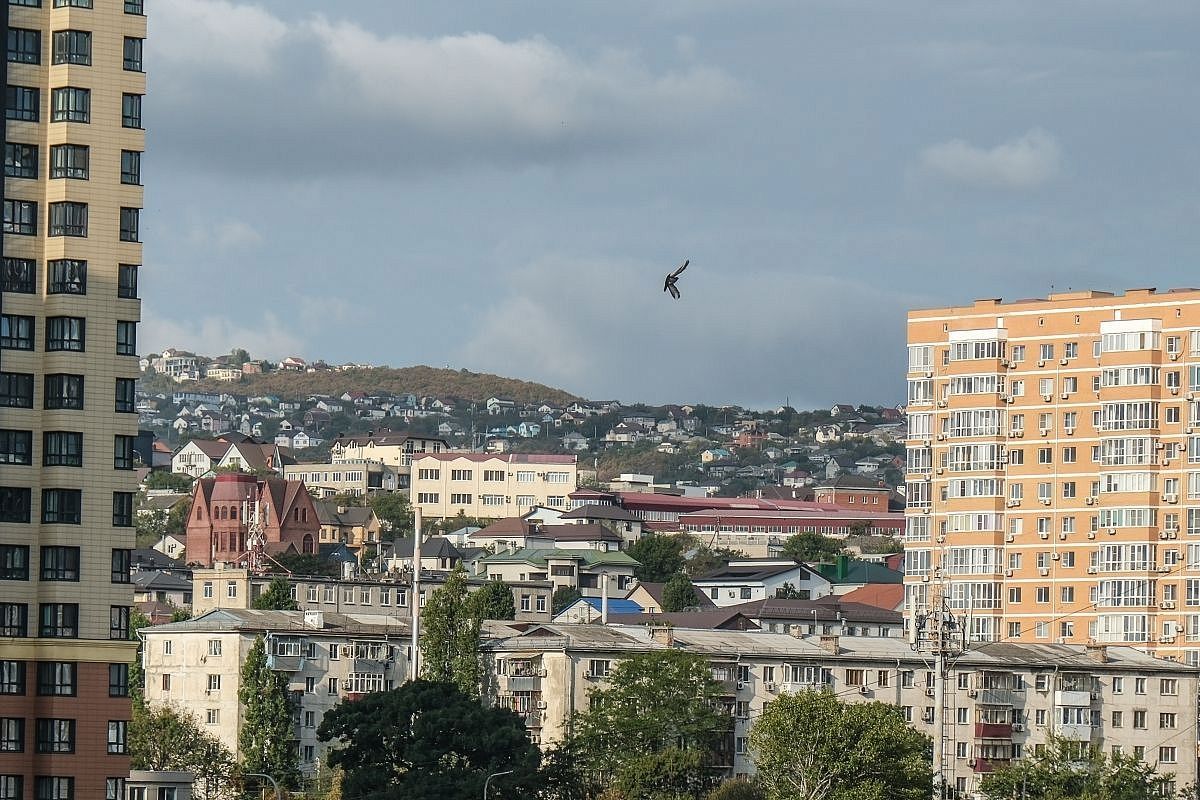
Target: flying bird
x,y
669,283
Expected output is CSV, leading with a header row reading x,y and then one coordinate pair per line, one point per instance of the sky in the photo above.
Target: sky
x,y
502,187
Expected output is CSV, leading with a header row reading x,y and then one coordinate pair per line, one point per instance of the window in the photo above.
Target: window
x,y
23,103
131,167
599,668
62,449
20,216
117,733
1168,686
331,686
118,680
1139,719
65,333
20,160
16,447
72,47
460,499
16,332
68,219
129,224
54,788
56,678
56,736
125,396
61,506
427,497
14,620
123,451
126,338
12,677
14,504
64,391
127,280
72,3
212,716
67,276
1139,685
12,735
59,620
133,7
24,46
461,474
19,276
1167,755
14,563
133,54
493,475
69,161
121,562
70,104
131,110
60,563
114,789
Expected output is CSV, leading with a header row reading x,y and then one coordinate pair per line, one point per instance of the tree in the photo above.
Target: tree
x,y
810,546
673,773
654,702
678,593
429,741
449,636
812,746
563,596
494,600
1074,771
659,557
393,511
137,678
264,740
163,479
277,597
737,789
705,559
163,737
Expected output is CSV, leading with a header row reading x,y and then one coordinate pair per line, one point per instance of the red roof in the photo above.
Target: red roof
x,y
880,595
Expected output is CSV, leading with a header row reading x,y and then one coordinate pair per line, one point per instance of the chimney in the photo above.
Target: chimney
x,y
1097,652
829,644
664,634
314,619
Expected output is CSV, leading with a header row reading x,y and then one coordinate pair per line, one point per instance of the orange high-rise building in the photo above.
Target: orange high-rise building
x,y
1053,485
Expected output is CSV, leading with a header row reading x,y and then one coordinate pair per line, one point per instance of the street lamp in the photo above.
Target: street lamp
x,y
274,785
489,780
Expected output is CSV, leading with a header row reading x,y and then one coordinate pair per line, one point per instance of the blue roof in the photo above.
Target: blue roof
x,y
614,606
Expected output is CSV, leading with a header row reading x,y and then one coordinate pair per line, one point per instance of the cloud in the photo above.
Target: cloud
x,y
317,97
1022,163
741,336
213,335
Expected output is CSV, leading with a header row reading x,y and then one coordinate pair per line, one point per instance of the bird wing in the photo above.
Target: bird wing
x,y
679,271
674,291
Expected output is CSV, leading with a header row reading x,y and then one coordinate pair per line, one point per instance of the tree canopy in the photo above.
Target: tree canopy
x,y
811,546
163,737
393,510
429,741
449,635
276,597
812,746
264,741
1073,771
563,596
659,557
678,593
493,600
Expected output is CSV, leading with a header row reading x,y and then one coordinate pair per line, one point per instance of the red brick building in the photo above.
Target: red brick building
x,y
224,508
853,491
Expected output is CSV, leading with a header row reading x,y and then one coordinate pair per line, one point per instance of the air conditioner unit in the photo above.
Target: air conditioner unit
x,y
1159,445
541,704
1043,535
1013,503
741,685
928,373
1112,531
771,686
1020,434
1069,431
1008,573
926,510
1047,397
1164,569
1174,390
941,539
971,763
1066,395
1004,362
972,693
929,691
1054,556
1062,536
1041,362
1171,498
1190,396
1092,570
1168,605
1162,535
1045,501
1044,431
941,403
1010,537
1010,399
1017,727
1091,534
941,437
940,470
925,442
863,690
1044,571
1090,500
1167,638
924,579
1063,362
1173,356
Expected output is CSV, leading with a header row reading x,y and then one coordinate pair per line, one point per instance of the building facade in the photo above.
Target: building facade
x,y
68,365
1053,484
491,486
228,509
356,478
396,450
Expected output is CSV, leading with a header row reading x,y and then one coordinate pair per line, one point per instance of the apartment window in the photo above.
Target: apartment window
x,y
118,622
1167,755
22,103
68,219
20,216
54,788
58,620
493,475
118,680
12,677
1117,719
24,46
72,47
60,563
72,3
16,332
131,167
20,160
122,562
62,449
65,333
129,224
114,789
331,686
125,396
127,281
1139,719
14,620
133,7
126,338
123,451
460,499
1168,720
131,110
213,716
70,161
1139,685
62,506
63,391
1042,594
16,447
14,563
56,678
1168,686
461,474
133,54
427,497
67,276
117,735
231,589
14,504
56,736
19,276
12,735
70,104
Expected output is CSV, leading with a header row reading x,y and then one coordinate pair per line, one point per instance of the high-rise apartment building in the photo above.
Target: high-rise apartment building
x,y
68,324
1053,484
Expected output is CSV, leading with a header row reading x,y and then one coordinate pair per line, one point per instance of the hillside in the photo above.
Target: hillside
x,y
421,381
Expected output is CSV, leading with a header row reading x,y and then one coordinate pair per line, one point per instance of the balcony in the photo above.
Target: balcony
x,y
1073,732
371,665
523,683
996,697
985,765
533,719
1078,699
993,730
285,663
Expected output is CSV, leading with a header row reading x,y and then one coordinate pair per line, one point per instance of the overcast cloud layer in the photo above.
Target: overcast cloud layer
x,y
502,187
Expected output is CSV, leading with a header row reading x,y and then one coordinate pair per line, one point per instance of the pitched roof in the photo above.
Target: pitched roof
x,y
538,557
881,595
433,547
328,513
751,572
593,511
848,570
829,608
851,481
587,532
728,618
615,606
655,590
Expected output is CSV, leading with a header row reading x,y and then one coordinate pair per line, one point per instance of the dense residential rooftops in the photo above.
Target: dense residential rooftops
x,y
329,513
247,620
749,570
825,609
540,556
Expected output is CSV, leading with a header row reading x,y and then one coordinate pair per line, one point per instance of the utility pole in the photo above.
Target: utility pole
x,y
415,599
944,636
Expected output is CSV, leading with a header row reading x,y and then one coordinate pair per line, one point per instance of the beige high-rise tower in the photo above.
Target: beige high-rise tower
x,y
1054,467
68,360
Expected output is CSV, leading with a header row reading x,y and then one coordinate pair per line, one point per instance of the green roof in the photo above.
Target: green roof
x,y
538,556
849,570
